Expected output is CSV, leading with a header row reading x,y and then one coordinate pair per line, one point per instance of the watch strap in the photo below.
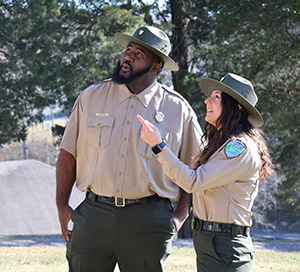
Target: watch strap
x,y
158,148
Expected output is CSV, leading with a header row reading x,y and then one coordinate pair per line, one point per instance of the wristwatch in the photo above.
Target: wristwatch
x,y
158,148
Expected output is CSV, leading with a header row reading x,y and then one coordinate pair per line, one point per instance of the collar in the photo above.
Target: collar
x,y
144,96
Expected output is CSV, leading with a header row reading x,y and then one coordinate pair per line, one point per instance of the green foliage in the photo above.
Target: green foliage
x,y
260,40
49,52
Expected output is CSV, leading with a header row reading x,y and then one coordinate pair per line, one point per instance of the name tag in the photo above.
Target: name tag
x,y
102,114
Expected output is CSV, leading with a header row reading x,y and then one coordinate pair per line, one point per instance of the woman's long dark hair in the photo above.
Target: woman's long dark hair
x,y
233,122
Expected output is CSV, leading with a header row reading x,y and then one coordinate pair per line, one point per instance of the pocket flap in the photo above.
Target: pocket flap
x,y
100,121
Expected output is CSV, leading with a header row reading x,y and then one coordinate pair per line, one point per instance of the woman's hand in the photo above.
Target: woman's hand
x,y
149,133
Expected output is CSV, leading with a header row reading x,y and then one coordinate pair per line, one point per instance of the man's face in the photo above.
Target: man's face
x,y
135,62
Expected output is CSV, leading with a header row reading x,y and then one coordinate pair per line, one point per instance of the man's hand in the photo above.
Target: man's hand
x,y
182,211
64,215
65,178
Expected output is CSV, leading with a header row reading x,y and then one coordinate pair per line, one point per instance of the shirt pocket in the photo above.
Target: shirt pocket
x,y
99,130
145,150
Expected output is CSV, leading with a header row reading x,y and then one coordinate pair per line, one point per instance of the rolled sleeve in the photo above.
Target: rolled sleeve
x,y
69,140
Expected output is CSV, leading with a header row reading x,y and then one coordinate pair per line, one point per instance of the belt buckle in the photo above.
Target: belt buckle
x,y
119,202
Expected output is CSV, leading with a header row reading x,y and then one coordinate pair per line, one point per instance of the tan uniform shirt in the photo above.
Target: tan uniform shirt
x,y
103,134
224,188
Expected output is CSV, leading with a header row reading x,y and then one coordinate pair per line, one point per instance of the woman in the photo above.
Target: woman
x,y
225,181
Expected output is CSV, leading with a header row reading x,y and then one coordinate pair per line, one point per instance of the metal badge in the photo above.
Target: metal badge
x,y
159,116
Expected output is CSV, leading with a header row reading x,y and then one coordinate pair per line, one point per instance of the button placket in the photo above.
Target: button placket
x,y
124,145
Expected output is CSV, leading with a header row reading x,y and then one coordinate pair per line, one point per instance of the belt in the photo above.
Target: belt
x,y
208,226
121,202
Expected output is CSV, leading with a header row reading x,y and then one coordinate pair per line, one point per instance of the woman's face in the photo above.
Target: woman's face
x,y
213,107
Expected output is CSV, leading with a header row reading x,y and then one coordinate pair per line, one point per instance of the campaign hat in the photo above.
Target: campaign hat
x,y
154,40
239,88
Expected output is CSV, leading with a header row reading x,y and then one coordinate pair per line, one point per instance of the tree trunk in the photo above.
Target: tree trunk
x,y
179,54
179,41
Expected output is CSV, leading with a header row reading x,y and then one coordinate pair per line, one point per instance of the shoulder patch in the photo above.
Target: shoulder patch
x,y
234,148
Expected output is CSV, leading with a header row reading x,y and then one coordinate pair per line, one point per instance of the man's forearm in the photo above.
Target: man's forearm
x,y
65,177
182,211
183,208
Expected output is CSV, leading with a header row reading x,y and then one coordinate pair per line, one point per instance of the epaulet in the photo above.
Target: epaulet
x,y
172,91
99,82
75,104
234,148
105,80
90,88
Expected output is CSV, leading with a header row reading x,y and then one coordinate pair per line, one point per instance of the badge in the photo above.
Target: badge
x,y
159,116
234,148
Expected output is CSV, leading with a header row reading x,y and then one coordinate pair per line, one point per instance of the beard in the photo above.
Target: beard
x,y
119,79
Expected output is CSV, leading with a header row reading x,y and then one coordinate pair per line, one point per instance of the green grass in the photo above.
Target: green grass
x,y
52,259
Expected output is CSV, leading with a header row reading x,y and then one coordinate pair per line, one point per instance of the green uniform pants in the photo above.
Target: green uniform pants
x,y
220,252
138,236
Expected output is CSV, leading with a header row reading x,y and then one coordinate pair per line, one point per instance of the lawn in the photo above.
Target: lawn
x,y
52,259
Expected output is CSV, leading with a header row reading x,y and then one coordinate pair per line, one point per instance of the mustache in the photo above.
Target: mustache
x,y
128,63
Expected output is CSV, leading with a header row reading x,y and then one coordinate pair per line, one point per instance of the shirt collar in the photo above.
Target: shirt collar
x,y
144,96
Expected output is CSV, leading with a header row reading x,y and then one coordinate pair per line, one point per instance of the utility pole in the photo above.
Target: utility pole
x,y
25,147
25,150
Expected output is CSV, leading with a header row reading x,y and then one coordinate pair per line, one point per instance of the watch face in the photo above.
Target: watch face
x,y
159,147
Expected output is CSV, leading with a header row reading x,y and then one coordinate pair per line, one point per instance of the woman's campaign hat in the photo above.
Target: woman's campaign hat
x,y
153,39
240,89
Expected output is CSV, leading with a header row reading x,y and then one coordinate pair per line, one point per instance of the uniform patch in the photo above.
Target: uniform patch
x,y
234,148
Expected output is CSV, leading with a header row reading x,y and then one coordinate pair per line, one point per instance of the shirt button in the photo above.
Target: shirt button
x,y
131,106
120,173
125,138
122,156
128,122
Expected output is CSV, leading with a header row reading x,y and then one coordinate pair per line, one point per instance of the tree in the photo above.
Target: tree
x,y
49,52
260,40
256,39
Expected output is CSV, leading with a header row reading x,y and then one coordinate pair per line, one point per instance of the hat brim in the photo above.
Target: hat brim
x,y
169,64
208,85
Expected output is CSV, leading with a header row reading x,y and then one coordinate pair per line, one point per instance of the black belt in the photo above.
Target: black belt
x,y
231,229
121,202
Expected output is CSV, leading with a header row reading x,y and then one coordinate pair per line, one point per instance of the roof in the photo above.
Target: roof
x,y
27,198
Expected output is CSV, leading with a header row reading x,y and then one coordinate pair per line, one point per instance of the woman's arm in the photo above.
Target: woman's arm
x,y
218,171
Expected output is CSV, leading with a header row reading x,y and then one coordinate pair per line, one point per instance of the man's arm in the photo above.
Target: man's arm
x,y
182,211
65,178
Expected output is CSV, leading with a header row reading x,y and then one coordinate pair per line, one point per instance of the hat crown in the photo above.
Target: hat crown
x,y
154,37
154,40
242,86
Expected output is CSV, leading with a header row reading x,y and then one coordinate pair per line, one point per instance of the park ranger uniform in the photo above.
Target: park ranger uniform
x,y
223,190
125,217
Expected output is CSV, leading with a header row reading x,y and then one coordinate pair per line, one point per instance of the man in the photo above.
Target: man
x,y
127,216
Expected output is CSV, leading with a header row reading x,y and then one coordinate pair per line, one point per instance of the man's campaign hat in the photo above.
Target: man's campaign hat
x,y
154,40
